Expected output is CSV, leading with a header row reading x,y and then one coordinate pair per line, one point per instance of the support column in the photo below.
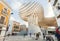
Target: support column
x,y
33,25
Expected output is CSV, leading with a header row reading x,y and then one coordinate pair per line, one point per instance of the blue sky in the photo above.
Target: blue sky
x,y
15,4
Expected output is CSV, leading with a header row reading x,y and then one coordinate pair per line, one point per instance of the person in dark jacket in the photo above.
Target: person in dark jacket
x,y
37,35
30,34
44,35
58,33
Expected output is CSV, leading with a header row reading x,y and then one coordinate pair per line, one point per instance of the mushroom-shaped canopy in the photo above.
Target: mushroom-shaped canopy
x,y
29,8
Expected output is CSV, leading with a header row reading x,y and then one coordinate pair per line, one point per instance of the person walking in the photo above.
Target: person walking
x,y
58,33
30,34
37,36
44,35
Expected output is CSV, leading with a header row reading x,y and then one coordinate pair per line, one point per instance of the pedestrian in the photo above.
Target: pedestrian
x,y
24,35
37,36
58,33
48,37
30,34
44,35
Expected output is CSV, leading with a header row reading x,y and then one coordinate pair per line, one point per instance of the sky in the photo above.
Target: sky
x,y
15,4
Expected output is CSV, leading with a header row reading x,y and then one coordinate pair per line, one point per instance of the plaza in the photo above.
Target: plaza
x,y
29,20
22,38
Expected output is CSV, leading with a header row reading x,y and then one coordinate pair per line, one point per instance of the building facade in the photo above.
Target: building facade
x,y
4,17
56,8
16,27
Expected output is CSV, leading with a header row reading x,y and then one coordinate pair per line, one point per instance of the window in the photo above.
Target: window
x,y
55,2
16,27
2,20
58,7
51,32
59,29
16,30
0,29
58,16
4,11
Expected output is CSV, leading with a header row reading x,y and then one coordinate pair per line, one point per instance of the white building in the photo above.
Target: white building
x,y
56,8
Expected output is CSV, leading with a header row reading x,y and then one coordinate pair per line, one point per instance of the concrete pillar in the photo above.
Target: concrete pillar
x,y
33,29
33,25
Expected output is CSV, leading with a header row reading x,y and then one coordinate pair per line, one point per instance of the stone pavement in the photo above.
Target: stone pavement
x,y
1,38
21,38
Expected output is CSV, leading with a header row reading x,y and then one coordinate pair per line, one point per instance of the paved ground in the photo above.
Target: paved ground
x,y
21,38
